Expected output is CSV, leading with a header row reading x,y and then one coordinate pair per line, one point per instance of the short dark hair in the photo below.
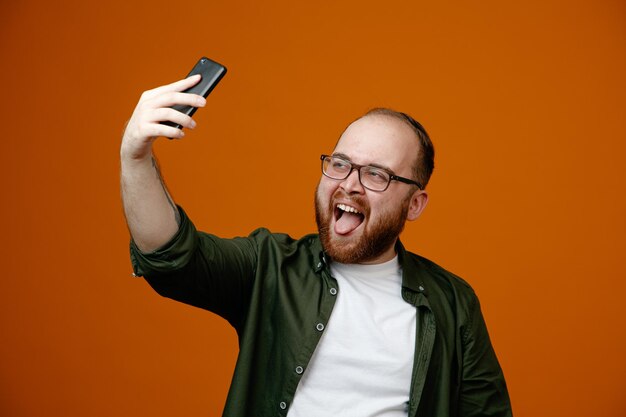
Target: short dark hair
x,y
425,162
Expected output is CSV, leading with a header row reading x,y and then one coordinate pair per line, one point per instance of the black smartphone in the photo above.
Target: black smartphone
x,y
211,72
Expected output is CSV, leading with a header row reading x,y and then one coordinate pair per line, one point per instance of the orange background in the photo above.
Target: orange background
x,y
526,104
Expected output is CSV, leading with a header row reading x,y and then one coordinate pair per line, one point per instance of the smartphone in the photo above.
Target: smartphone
x,y
211,72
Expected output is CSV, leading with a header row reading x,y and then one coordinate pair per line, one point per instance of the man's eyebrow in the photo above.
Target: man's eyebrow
x,y
341,155
347,158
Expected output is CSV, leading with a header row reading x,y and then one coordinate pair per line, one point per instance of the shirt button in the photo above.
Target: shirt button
x,y
299,370
320,326
421,288
282,405
333,291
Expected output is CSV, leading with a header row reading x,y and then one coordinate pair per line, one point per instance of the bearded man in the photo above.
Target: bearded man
x,y
343,323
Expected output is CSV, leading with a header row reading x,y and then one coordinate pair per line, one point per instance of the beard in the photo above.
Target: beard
x,y
376,238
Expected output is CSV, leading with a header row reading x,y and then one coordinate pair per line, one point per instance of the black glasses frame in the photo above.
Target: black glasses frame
x,y
353,166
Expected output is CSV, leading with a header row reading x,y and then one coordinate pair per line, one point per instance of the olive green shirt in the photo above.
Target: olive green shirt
x,y
278,293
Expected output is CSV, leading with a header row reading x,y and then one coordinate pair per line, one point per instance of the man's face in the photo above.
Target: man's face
x,y
357,225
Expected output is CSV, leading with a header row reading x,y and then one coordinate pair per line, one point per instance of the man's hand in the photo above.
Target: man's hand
x,y
155,106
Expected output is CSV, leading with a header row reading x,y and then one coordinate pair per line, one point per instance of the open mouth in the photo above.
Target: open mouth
x,y
347,219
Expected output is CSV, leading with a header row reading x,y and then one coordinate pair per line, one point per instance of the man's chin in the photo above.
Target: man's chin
x,y
346,248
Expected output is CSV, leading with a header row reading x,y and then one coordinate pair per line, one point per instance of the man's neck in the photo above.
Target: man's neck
x,y
386,256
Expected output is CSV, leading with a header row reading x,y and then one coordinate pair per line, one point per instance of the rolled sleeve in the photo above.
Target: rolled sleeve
x,y
172,256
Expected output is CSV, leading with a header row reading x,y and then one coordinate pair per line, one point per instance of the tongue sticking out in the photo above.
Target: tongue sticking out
x,y
347,223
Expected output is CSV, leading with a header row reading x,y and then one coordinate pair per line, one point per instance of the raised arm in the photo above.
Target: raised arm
x,y
151,214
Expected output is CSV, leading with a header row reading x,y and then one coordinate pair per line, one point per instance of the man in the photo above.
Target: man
x,y
347,323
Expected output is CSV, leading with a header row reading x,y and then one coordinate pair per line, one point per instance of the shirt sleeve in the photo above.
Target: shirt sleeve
x,y
483,388
201,270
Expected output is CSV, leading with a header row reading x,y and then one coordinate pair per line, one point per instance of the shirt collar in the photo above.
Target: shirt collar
x,y
412,273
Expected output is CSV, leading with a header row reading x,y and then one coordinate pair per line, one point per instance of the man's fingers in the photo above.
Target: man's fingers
x,y
169,99
154,130
179,85
170,115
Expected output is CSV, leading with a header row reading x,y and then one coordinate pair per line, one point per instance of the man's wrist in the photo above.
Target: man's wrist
x,y
131,159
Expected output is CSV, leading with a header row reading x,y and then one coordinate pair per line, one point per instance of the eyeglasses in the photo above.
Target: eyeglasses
x,y
371,177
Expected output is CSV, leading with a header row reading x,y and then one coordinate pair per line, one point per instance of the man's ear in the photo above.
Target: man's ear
x,y
418,202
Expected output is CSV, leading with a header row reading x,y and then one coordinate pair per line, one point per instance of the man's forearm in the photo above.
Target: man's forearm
x,y
151,214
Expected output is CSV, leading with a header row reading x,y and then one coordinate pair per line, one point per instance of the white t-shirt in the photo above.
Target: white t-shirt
x,y
363,364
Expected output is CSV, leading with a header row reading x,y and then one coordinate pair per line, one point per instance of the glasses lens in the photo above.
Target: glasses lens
x,y
373,178
336,168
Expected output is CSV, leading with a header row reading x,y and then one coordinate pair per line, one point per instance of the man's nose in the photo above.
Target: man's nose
x,y
352,184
